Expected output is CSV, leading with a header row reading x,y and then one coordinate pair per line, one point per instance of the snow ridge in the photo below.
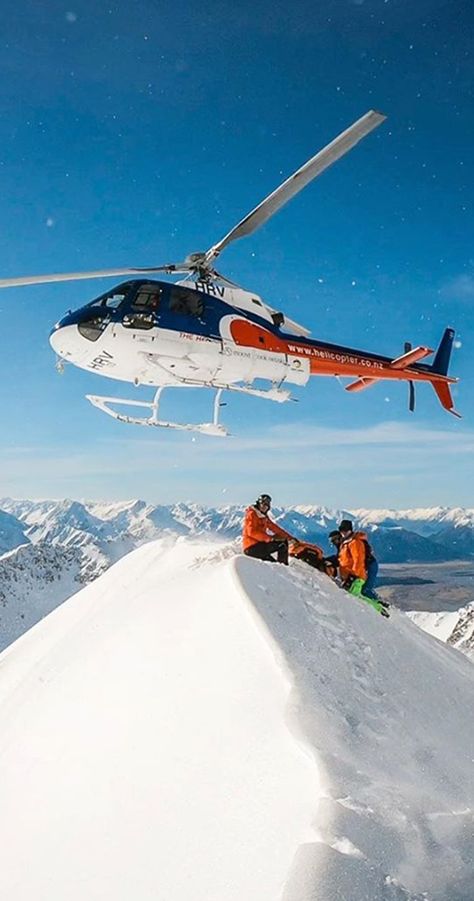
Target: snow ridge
x,y
271,738
101,533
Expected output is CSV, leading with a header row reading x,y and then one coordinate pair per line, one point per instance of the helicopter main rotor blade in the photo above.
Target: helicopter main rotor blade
x,y
296,182
77,276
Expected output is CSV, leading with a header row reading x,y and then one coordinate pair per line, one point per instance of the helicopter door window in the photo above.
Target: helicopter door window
x,y
186,303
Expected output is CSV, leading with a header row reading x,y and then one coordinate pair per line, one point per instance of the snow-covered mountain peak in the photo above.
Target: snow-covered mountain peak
x,y
430,517
111,510
222,728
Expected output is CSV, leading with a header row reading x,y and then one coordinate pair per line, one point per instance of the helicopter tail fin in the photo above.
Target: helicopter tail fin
x,y
440,367
440,363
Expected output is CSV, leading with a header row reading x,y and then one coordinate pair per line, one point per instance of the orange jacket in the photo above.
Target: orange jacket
x,y
257,527
299,547
352,557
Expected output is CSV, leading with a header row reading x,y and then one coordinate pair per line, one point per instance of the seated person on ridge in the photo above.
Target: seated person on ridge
x,y
261,536
356,560
308,553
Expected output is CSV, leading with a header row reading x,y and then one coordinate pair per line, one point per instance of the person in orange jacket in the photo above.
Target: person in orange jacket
x,y
261,536
308,553
352,556
358,566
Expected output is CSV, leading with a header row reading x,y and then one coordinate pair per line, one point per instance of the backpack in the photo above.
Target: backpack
x,y
369,554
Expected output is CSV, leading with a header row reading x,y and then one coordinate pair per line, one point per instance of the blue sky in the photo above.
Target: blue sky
x,y
136,132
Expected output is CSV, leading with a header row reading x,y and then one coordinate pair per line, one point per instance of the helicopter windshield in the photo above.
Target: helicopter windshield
x,y
113,299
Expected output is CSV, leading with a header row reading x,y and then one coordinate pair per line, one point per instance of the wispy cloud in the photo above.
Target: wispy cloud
x,y
396,463
300,436
460,287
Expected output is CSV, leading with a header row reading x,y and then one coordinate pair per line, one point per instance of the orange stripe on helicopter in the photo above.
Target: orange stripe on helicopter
x,y
322,361
337,361
250,335
328,361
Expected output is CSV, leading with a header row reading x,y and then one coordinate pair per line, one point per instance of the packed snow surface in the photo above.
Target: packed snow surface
x,y
195,725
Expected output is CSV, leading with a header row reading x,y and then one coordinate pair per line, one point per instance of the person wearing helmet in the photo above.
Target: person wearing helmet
x,y
357,561
352,562
352,556
262,538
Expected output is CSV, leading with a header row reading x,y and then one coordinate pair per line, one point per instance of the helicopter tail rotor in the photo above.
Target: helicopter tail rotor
x,y
408,346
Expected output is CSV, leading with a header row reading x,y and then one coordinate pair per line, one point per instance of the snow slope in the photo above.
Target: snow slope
x,y
456,627
199,726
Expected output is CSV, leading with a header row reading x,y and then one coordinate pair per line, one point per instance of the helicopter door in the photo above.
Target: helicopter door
x,y
143,311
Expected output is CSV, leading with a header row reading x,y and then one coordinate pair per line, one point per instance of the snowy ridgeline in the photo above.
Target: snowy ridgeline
x,y
200,725
54,547
106,531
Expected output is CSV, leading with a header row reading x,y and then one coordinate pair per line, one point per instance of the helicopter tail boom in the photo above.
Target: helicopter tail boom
x,y
436,374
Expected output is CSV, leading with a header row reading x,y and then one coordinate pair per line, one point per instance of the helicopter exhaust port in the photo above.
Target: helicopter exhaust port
x,y
278,319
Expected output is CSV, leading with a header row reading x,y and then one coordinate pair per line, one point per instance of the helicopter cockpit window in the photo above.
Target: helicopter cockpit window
x,y
93,327
147,299
113,299
185,302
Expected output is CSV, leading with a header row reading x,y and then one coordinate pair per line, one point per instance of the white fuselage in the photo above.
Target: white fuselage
x,y
160,356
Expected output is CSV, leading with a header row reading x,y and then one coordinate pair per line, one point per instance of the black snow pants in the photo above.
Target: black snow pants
x,y
263,550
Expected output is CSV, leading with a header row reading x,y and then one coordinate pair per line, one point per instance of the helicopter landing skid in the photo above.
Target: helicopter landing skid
x,y
206,428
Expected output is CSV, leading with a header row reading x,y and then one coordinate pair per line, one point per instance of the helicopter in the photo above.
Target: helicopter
x,y
206,331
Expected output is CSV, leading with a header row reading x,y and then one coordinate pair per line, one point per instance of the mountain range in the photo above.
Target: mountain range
x,y
104,531
50,548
